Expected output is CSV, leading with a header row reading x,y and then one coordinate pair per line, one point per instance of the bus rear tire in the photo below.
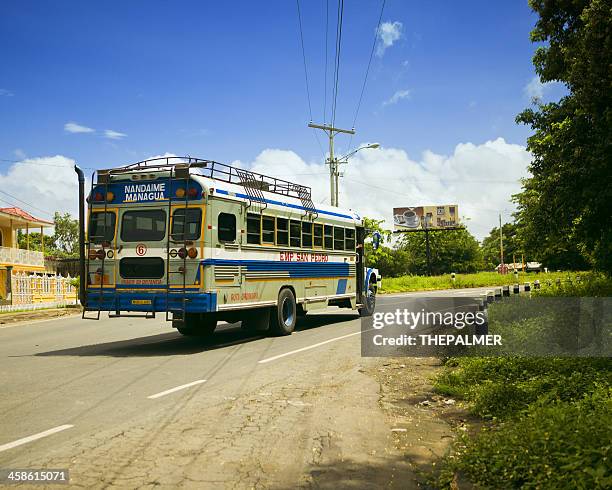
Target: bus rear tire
x,y
284,315
197,325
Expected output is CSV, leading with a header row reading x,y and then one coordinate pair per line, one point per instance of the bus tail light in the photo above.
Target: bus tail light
x,y
101,197
192,252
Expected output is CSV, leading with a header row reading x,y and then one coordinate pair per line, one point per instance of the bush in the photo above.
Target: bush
x,y
501,387
558,445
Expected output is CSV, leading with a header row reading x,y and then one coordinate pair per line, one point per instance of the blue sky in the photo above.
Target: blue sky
x,y
225,80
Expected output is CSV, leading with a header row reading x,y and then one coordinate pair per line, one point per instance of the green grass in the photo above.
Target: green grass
x,y
560,445
547,420
480,279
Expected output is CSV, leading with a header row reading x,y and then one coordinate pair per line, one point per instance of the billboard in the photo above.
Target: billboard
x,y
432,217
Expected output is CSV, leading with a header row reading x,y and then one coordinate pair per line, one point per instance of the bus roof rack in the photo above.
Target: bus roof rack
x,y
254,183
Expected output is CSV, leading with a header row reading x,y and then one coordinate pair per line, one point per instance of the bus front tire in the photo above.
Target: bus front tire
x,y
197,325
284,315
367,309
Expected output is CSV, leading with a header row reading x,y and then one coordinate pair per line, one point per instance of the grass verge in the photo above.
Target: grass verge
x,y
480,279
547,422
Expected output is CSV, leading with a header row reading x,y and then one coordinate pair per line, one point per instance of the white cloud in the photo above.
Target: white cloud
x,y
479,178
48,183
113,135
388,33
5,93
535,89
397,96
72,127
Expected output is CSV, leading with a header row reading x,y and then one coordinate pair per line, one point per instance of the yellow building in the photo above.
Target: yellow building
x,y
12,258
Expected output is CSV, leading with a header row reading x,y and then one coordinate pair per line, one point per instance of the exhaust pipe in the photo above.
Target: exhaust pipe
x,y
82,273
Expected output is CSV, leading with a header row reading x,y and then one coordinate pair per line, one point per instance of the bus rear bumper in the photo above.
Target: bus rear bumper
x,y
143,301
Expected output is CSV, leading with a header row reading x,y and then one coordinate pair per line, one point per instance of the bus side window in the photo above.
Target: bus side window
x,y
295,229
318,235
338,238
226,227
253,228
306,234
329,237
267,229
282,231
349,236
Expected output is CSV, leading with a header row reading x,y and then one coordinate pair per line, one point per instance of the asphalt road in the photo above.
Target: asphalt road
x,y
130,402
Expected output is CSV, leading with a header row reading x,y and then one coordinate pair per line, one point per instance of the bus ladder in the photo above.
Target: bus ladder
x,y
90,240
305,197
178,314
252,187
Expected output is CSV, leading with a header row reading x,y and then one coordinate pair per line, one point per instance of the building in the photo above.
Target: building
x,y
12,258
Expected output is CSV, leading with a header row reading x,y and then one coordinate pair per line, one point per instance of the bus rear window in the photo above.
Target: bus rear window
x,y
102,227
143,226
141,268
186,224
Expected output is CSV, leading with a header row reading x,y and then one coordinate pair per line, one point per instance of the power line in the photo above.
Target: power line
x,y
306,73
338,56
326,57
26,203
5,160
304,57
365,79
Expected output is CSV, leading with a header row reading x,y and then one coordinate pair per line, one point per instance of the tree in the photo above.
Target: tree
x,y
565,208
66,237
451,251
33,241
512,246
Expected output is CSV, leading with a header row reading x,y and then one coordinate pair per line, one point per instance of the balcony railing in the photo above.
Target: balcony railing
x,y
18,256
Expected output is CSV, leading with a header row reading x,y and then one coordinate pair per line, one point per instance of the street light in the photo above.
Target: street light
x,y
335,170
371,146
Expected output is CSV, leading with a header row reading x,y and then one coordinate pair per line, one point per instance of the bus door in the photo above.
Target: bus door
x,y
141,248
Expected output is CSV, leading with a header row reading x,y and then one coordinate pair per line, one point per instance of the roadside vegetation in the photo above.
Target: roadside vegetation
x,y
479,279
547,421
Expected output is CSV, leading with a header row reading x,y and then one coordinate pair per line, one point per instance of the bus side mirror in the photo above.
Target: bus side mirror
x,y
375,240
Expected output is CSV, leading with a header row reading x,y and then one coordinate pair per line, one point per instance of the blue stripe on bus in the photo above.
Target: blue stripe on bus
x,y
122,301
286,204
295,269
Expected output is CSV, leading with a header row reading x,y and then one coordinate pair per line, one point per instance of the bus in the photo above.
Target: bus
x,y
203,242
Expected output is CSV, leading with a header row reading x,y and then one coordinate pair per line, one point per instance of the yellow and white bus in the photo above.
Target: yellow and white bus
x,y
203,241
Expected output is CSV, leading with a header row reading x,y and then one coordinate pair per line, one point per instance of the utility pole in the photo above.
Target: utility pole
x,y
501,242
334,171
427,249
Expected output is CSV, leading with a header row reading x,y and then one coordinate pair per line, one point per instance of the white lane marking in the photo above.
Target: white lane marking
x,y
34,437
176,388
274,358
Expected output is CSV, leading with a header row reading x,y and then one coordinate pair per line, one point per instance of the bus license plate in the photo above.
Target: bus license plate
x,y
141,301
